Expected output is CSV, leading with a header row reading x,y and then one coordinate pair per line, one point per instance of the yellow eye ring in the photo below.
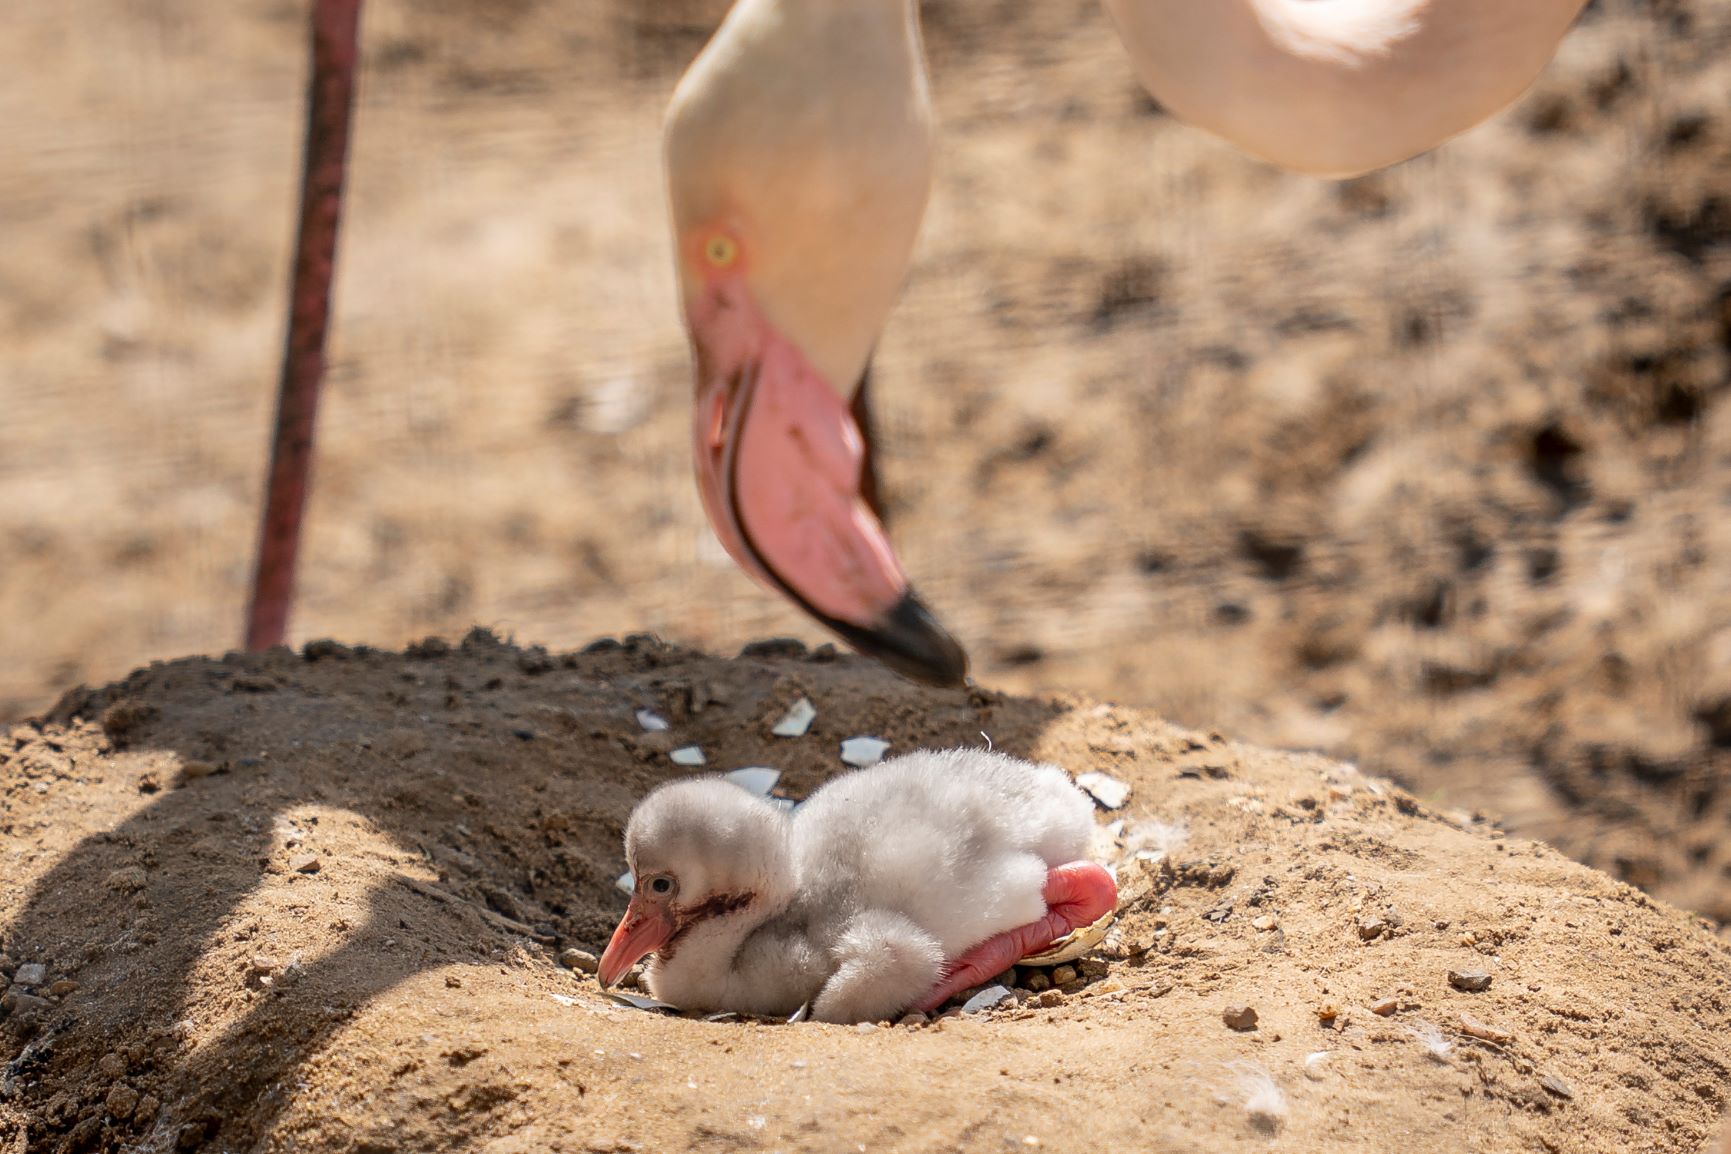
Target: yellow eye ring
x,y
721,251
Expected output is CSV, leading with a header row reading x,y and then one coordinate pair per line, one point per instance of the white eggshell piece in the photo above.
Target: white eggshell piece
x,y
985,999
627,883
688,755
1073,944
756,780
652,722
1108,791
862,752
796,722
638,1002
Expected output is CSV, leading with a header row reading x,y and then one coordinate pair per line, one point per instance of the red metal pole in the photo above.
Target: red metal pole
x,y
330,107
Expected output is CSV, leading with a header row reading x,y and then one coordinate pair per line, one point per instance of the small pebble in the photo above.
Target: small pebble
x,y
582,960
111,1066
1470,981
263,964
31,974
1037,980
1051,999
1315,1065
26,1006
1063,975
1385,1007
865,1028
1372,927
1264,923
1240,1018
1558,1087
63,987
914,1019
195,768
305,864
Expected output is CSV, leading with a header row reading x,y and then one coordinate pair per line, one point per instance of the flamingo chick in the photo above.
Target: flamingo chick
x,y
892,888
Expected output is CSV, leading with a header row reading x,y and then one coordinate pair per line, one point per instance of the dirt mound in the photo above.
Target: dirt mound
x,y
289,902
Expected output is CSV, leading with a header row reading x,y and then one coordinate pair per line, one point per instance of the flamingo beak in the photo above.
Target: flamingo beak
x,y
781,465
643,930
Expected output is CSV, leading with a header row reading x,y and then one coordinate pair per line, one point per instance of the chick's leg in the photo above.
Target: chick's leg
x,y
1077,894
884,963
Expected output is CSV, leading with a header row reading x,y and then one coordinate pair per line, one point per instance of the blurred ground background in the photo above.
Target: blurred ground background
x,y
1429,470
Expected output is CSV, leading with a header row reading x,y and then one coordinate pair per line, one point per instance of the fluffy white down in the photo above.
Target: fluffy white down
x,y
858,900
957,841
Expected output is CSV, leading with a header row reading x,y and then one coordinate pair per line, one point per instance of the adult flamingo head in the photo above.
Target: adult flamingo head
x,y
799,158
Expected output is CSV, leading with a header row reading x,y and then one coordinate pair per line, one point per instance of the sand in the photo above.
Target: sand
x,y
318,905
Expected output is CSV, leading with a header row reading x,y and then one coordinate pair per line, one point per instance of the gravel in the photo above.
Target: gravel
x,y
1470,981
1240,1018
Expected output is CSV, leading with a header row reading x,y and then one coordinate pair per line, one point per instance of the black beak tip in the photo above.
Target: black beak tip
x,y
910,641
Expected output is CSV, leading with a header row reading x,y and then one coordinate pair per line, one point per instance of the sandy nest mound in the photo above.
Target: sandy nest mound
x,y
317,902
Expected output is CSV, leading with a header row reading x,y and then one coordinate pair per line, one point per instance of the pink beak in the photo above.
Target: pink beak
x,y
643,930
781,465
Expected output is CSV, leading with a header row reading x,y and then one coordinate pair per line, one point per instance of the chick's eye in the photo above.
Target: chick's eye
x,y
662,885
721,251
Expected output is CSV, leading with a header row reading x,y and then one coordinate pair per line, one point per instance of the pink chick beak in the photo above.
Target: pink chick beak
x,y
780,465
643,930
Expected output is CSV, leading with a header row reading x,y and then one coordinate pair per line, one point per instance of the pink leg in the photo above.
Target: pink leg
x,y
1077,894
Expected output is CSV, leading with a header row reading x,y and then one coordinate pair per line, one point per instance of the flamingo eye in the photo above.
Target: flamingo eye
x,y
661,886
721,251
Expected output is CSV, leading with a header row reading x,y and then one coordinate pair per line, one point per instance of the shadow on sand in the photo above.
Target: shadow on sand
x,y
277,839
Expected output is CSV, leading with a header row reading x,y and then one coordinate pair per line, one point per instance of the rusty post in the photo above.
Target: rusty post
x,y
330,107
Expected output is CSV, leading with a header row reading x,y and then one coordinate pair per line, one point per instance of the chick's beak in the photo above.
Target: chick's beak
x,y
644,929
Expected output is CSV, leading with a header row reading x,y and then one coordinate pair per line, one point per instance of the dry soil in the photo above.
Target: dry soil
x,y
283,903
